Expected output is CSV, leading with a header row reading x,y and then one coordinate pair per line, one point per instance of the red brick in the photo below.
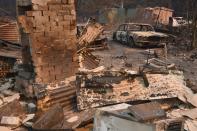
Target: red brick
x,y
41,20
71,2
56,18
39,7
55,7
73,12
57,28
68,17
55,2
49,13
33,13
64,23
64,12
65,1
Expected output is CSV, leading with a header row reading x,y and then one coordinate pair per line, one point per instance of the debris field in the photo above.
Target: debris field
x,y
118,69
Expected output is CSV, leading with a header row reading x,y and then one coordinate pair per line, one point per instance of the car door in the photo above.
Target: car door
x,y
120,33
124,34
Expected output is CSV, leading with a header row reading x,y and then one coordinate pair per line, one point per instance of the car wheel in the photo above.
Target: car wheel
x,y
114,36
131,42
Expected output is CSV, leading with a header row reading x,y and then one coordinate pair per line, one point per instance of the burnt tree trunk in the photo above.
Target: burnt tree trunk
x,y
194,23
194,34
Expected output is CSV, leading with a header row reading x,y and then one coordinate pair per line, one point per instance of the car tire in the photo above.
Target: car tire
x,y
114,36
131,42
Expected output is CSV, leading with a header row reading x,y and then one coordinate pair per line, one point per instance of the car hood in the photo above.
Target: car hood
x,y
147,34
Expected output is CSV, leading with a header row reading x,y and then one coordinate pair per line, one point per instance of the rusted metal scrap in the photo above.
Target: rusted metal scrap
x,y
98,44
106,88
148,111
87,60
159,64
9,30
89,35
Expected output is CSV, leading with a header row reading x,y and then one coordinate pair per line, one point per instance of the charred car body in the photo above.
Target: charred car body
x,y
141,35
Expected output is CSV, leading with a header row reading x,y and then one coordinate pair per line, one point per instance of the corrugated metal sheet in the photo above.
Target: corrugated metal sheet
x,y
10,50
65,96
9,31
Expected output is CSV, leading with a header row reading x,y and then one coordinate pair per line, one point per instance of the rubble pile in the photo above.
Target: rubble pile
x,y
148,116
116,87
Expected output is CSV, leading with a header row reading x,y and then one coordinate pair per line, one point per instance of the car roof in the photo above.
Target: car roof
x,y
178,17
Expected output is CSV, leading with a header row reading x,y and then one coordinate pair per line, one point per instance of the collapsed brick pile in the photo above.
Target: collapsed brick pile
x,y
51,27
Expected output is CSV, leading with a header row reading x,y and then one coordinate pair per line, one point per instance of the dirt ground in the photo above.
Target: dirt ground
x,y
121,56
185,61
118,55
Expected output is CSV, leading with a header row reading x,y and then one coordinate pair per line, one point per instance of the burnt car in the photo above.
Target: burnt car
x,y
140,35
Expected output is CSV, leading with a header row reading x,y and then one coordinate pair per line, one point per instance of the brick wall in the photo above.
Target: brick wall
x,y
51,26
